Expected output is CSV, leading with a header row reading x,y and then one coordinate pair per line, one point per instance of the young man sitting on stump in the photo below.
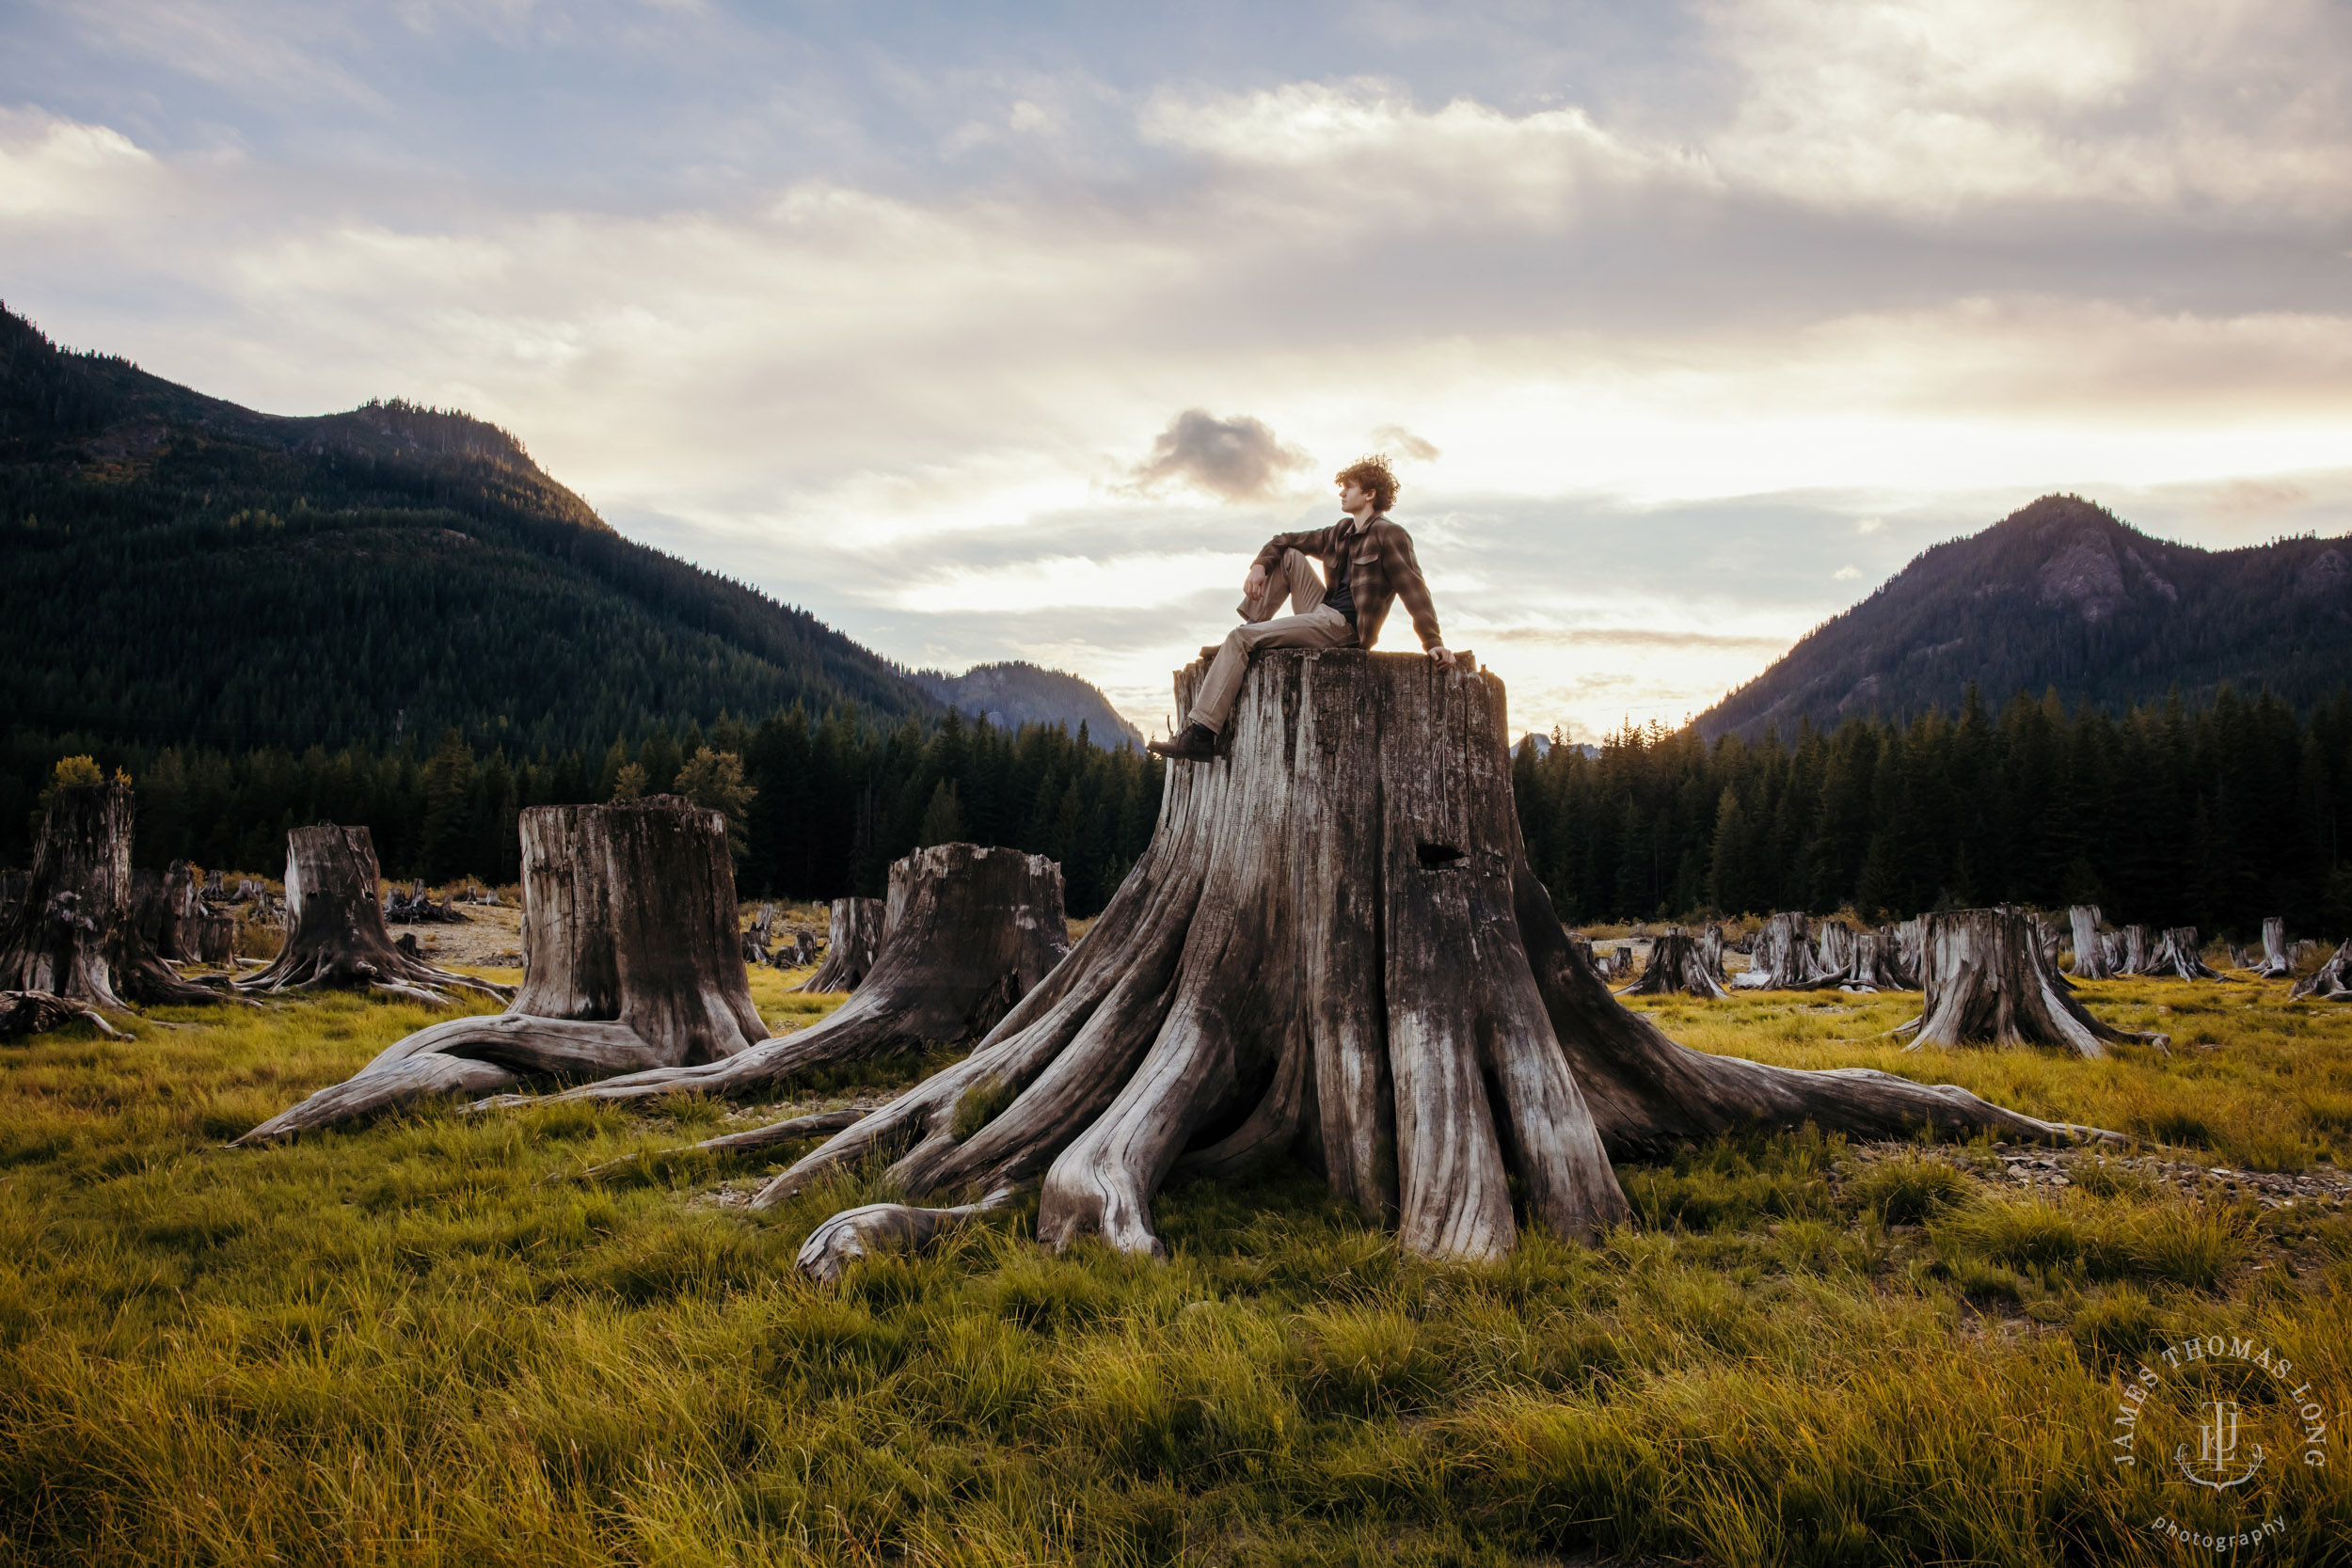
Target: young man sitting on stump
x,y
1367,564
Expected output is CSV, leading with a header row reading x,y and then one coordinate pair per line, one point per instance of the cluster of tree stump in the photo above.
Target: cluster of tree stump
x,y
74,933
414,906
1334,949
764,943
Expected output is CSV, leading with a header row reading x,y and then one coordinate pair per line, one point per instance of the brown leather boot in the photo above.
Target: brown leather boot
x,y
1198,743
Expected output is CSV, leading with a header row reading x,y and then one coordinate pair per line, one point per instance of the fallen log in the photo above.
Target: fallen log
x,y
882,1227
1335,945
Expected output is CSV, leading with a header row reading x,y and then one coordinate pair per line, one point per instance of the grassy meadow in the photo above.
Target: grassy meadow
x,y
428,1341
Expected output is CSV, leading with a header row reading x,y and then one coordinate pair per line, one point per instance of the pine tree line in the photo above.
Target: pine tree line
x,y
819,808
2215,818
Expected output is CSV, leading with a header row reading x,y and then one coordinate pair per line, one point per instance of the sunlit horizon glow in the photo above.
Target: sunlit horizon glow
x,y
1689,326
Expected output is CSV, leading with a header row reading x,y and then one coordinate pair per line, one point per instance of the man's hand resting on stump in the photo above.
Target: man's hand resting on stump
x,y
1443,657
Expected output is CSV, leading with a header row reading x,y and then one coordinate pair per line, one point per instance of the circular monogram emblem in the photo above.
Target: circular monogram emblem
x,y
2215,1421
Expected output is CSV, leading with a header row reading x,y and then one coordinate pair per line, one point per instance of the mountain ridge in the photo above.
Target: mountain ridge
x,y
1016,692
2063,594
360,576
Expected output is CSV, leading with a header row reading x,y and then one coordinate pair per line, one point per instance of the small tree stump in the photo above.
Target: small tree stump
x,y
1834,955
2052,941
2179,956
629,961
2275,965
1678,965
72,935
2331,982
336,937
37,1012
1710,947
972,931
855,930
1782,958
2138,956
1988,983
164,906
2090,959
1895,958
1335,945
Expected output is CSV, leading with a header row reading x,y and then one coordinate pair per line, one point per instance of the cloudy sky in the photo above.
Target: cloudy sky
x,y
993,331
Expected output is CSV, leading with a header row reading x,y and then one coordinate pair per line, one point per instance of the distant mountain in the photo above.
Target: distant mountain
x,y
2063,594
1011,695
180,568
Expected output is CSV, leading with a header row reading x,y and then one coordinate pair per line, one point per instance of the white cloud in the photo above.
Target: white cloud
x,y
1142,581
55,170
913,399
1922,106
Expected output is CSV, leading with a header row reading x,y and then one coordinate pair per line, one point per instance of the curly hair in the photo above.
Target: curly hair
x,y
1373,475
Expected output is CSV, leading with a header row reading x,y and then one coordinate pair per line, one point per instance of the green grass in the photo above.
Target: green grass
x,y
421,1341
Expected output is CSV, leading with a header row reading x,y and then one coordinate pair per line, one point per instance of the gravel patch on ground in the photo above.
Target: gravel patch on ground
x,y
2033,1167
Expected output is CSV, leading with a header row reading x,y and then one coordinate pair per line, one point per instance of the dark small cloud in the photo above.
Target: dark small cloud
x,y
1237,459
1400,442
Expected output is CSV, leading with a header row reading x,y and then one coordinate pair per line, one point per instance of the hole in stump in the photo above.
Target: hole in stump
x,y
1437,854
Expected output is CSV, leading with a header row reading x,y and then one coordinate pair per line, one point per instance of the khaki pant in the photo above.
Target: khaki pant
x,y
1315,625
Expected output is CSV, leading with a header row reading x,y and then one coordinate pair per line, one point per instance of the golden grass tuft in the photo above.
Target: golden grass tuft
x,y
411,1342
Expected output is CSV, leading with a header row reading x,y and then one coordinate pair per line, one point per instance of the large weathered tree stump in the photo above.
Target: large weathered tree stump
x,y
1989,982
72,934
1334,947
2179,956
2331,982
2138,955
629,961
2091,958
972,933
2275,965
336,936
855,930
1678,965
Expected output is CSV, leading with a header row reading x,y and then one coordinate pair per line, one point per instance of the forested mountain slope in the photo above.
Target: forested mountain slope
x,y
182,569
1011,695
2063,594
